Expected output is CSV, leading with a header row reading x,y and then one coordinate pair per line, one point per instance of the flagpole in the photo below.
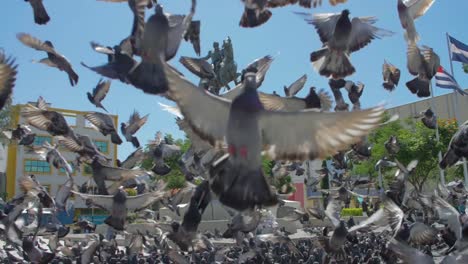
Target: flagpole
x,y
439,155
455,106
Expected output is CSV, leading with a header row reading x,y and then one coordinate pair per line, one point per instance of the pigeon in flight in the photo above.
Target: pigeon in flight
x,y
424,64
133,160
392,145
314,100
280,3
391,76
341,36
457,147
40,13
119,204
134,123
54,59
240,182
193,35
23,134
429,119
104,124
408,11
295,87
7,78
255,13
99,93
355,91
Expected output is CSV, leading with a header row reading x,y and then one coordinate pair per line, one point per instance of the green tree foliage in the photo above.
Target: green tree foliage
x,y
5,120
417,143
465,68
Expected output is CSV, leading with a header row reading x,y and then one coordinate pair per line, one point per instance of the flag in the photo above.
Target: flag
x,y
459,50
445,80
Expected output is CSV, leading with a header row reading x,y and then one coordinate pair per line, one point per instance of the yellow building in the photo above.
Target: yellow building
x,y
22,160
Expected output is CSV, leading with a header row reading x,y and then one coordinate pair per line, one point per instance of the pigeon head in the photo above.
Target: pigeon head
x,y
345,12
429,113
158,9
48,43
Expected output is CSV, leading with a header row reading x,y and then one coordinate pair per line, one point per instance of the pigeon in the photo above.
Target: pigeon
x,y
102,173
134,123
392,145
295,87
47,120
99,93
193,35
104,124
316,3
245,222
391,76
335,244
119,65
314,100
83,146
8,73
409,254
281,3
340,104
148,75
34,253
341,37
354,91
255,13
133,160
40,13
424,64
239,180
63,194
120,204
23,134
456,148
429,119
56,159
408,11
54,59
199,67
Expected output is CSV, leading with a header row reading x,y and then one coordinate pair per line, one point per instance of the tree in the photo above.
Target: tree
x,y
465,67
5,120
417,143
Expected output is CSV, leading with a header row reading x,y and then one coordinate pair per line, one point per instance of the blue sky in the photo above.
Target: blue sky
x,y
286,36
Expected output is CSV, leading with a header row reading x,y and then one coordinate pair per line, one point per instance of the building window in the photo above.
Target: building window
x,y
72,165
39,140
87,170
103,146
37,166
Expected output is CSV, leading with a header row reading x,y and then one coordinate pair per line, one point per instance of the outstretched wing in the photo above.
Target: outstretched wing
x,y
363,32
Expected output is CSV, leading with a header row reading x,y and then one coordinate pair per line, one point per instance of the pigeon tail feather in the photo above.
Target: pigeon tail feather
x,y
116,223
337,65
40,14
419,87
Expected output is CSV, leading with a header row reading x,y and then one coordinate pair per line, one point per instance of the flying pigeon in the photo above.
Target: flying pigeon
x,y
7,78
354,91
48,120
456,148
40,13
133,160
120,204
340,104
280,3
135,122
104,124
23,134
193,35
83,146
54,59
56,159
423,64
314,100
392,145
34,253
99,93
408,11
255,13
295,87
429,119
391,76
239,180
341,37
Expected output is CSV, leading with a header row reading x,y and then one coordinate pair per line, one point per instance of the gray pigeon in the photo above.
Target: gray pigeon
x,y
392,145
104,124
133,160
255,13
83,146
99,93
423,63
457,147
7,78
341,36
408,11
56,159
429,119
34,253
54,59
391,76
193,35
239,179
119,205
63,194
23,134
314,100
295,87
47,120
355,91
409,254
40,13
134,123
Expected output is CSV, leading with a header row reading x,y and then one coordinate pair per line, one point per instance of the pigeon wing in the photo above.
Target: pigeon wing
x,y
417,8
296,86
7,78
101,90
363,32
35,43
276,103
324,23
316,135
102,201
207,114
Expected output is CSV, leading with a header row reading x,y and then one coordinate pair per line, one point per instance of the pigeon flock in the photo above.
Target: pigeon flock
x,y
230,133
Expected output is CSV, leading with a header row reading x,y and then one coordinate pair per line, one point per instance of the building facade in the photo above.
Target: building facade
x,y
23,160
